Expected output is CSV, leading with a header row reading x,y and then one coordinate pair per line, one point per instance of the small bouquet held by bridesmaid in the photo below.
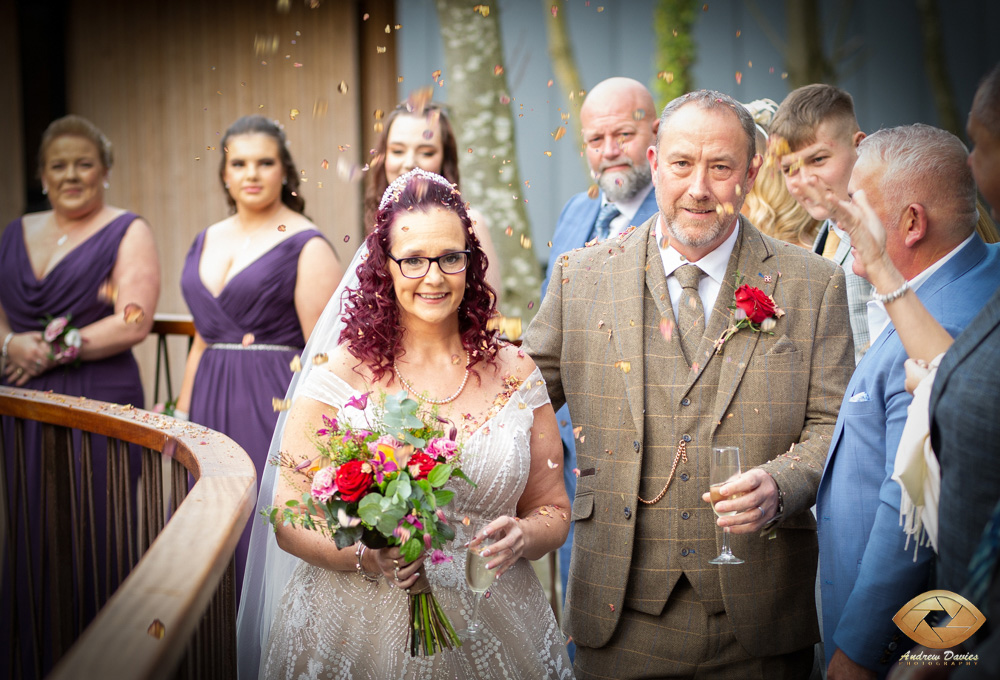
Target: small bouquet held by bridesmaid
x,y
384,486
64,340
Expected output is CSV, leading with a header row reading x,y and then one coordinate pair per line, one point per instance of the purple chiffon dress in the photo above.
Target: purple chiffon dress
x,y
71,288
235,384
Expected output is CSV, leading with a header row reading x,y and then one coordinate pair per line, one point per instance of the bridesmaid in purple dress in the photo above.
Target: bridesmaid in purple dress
x,y
255,283
88,261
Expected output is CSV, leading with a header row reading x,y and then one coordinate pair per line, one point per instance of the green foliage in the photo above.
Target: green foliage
x,y
673,21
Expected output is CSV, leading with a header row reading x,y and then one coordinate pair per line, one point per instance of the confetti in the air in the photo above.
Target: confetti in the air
x,y
482,9
107,292
281,404
739,77
497,70
320,359
133,313
293,114
342,88
548,153
552,466
667,328
296,364
559,132
248,339
282,228
625,366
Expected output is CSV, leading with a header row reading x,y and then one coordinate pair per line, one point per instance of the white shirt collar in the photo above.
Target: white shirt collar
x,y
878,318
714,264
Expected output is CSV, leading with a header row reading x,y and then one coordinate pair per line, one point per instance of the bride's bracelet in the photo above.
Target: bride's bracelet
x,y
359,553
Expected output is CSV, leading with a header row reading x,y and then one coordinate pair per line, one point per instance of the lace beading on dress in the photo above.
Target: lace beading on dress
x,y
336,625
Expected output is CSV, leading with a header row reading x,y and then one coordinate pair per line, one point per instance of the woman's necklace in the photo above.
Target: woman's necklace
x,y
448,400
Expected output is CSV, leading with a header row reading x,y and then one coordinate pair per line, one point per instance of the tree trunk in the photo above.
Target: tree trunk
x,y
937,71
484,126
673,21
805,59
567,74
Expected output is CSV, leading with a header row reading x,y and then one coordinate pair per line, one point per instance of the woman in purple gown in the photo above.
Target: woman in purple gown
x,y
96,265
255,283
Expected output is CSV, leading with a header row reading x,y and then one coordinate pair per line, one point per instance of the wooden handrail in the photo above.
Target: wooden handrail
x,y
173,324
145,628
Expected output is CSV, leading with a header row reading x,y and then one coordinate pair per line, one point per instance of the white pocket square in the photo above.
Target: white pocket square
x,y
859,397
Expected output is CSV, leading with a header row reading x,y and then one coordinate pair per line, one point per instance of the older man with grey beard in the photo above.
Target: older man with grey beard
x,y
619,124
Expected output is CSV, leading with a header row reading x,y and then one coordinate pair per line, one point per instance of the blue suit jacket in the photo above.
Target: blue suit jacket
x,y
866,574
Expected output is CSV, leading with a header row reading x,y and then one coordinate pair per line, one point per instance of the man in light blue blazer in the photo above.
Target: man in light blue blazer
x,y
619,122
920,185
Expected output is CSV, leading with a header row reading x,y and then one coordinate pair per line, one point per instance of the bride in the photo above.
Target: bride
x,y
412,315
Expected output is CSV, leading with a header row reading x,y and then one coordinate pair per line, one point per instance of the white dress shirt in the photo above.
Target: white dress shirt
x,y
714,265
627,210
878,318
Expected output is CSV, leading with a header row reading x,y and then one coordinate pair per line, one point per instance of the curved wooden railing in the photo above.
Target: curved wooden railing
x,y
171,610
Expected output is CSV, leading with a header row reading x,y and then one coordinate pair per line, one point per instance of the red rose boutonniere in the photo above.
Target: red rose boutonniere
x,y
753,309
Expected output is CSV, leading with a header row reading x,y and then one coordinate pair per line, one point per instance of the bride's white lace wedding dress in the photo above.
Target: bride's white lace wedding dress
x,y
333,624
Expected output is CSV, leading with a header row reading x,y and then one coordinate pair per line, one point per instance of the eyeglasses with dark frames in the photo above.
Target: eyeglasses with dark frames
x,y
417,267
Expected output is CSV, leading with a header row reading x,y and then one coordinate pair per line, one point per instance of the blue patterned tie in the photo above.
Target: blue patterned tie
x,y
603,224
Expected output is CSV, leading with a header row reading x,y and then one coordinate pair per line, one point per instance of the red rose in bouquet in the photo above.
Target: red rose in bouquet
x,y
420,465
354,479
757,304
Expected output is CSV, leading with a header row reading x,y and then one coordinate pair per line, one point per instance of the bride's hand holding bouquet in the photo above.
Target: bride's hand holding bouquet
x,y
383,485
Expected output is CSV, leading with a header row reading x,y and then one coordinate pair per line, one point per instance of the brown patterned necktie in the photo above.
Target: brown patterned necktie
x,y
690,312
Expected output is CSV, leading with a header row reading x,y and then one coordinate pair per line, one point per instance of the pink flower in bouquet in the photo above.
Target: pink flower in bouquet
x,y
354,480
420,465
383,461
324,484
359,403
442,447
439,557
358,436
387,444
69,354
330,427
55,328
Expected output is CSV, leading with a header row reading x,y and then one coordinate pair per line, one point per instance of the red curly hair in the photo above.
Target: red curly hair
x,y
372,331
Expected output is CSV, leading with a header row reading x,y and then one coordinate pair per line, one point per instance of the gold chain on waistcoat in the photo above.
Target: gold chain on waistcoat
x,y
682,454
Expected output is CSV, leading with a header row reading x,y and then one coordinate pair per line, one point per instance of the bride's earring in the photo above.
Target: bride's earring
x,y
45,190
107,185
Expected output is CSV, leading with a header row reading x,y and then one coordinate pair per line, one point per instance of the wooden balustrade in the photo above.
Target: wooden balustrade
x,y
167,600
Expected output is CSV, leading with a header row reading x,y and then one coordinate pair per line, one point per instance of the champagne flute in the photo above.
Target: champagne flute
x,y
725,468
478,576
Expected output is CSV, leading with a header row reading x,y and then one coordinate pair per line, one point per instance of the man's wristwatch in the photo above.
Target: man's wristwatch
x,y
779,512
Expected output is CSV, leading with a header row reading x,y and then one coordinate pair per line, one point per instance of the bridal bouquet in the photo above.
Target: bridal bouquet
x,y
64,340
384,486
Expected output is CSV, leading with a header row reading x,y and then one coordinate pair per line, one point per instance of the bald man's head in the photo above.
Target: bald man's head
x,y
619,123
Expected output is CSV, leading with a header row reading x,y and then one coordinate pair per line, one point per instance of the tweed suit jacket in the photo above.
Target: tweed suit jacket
x,y
774,391
859,291
965,434
866,572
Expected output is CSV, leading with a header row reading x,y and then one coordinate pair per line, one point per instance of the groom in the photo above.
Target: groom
x,y
627,337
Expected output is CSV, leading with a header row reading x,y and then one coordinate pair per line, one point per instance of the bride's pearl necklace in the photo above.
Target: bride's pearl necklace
x,y
447,400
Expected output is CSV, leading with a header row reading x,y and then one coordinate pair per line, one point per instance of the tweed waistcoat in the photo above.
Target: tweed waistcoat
x,y
677,534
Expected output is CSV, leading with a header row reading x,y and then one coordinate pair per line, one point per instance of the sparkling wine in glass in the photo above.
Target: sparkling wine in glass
x,y
478,577
725,468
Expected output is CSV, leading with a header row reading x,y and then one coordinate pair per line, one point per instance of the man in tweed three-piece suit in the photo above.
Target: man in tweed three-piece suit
x,y
632,351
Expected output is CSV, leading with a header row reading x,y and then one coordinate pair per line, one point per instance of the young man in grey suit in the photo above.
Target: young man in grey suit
x,y
630,335
618,120
818,123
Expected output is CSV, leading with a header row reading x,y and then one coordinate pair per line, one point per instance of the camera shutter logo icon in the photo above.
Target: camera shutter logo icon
x,y
939,619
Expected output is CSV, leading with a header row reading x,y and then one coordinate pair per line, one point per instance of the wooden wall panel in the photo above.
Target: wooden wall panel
x,y
11,144
164,80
